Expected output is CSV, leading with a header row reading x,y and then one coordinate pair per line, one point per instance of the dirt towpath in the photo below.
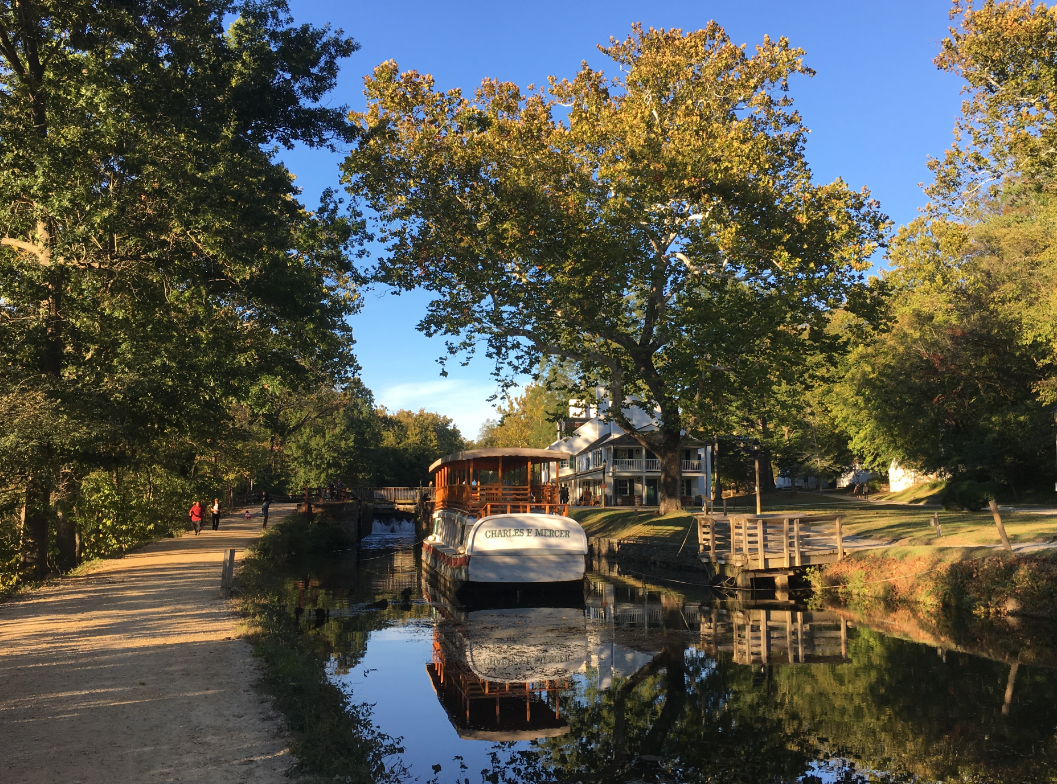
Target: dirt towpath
x,y
132,673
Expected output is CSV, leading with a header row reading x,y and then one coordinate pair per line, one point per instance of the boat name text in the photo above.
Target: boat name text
x,y
499,533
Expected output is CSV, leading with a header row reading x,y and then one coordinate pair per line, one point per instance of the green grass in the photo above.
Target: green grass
x,y
630,523
928,492
983,581
905,525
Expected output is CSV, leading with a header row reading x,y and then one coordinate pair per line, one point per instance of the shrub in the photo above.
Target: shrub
x,y
968,495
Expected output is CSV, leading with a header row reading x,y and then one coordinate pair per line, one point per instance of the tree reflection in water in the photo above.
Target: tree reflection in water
x,y
896,712
672,705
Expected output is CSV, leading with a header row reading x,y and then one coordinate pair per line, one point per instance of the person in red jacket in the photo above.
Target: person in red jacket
x,y
196,517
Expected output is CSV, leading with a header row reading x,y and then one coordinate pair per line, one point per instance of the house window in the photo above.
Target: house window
x,y
563,464
623,487
596,458
688,487
690,454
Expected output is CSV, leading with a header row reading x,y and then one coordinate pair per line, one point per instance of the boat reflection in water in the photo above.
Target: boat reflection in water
x,y
499,670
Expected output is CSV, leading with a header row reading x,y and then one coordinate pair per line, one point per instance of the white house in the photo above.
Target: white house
x,y
609,468
900,478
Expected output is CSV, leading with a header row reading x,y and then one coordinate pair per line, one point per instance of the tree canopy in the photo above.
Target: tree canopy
x,y
659,229
155,262
959,376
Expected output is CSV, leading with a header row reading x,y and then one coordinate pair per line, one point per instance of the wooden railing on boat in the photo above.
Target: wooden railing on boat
x,y
523,508
500,499
770,541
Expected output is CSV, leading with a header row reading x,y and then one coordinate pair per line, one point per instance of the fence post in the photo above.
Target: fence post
x,y
998,524
712,538
785,541
761,533
796,541
227,573
840,539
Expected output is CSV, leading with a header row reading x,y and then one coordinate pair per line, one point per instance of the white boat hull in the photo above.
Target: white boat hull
x,y
560,568
507,549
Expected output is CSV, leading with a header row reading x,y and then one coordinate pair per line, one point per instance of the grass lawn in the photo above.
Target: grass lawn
x,y
905,525
625,523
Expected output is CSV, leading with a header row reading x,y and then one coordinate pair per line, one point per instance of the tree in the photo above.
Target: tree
x,y
154,259
960,380
525,421
334,436
641,227
410,443
952,384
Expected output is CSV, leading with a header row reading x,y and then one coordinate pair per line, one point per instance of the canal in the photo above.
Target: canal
x,y
654,679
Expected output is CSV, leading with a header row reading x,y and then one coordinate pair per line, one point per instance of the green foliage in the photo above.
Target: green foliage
x,y
312,437
116,512
957,382
156,266
410,442
967,495
297,536
525,421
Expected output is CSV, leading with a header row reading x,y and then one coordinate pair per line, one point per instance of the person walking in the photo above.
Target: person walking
x,y
264,508
195,513
215,510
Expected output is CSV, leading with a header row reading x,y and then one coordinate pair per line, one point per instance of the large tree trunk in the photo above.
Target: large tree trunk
x,y
669,489
36,510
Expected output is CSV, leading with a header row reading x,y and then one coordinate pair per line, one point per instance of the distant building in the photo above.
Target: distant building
x,y
900,478
853,476
609,468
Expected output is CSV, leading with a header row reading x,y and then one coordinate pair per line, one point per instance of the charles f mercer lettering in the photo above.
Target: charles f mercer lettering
x,y
499,533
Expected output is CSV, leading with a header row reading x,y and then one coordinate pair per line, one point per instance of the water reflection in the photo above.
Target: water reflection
x,y
634,681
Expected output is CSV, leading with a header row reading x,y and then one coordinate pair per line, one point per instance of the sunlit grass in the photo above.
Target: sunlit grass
x,y
895,524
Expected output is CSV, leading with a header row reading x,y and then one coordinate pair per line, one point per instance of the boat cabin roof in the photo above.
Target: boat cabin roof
x,y
541,455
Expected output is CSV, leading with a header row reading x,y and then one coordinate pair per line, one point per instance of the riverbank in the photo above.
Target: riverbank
x,y
981,581
332,737
134,671
963,568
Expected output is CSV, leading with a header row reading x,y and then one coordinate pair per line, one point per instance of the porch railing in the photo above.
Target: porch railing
x,y
640,465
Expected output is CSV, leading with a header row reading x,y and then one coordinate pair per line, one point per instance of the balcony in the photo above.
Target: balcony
x,y
639,466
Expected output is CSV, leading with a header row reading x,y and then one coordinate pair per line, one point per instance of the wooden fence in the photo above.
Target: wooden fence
x,y
770,541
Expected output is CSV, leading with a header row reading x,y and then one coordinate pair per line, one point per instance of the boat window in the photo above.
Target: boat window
x,y
486,477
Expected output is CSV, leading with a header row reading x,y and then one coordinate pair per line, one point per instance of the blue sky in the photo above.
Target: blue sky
x,y
877,108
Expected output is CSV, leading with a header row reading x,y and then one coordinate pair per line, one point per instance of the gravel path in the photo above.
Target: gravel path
x,y
134,673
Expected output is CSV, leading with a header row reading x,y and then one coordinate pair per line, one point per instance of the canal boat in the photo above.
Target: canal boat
x,y
497,520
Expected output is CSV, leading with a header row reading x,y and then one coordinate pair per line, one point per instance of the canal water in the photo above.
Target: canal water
x,y
644,679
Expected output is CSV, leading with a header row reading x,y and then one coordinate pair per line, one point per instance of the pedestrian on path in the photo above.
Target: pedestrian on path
x,y
264,508
196,517
215,509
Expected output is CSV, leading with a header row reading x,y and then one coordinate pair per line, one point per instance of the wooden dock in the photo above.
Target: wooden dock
x,y
746,548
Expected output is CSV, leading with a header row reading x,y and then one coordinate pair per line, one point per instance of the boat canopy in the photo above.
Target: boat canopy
x,y
481,482
536,455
